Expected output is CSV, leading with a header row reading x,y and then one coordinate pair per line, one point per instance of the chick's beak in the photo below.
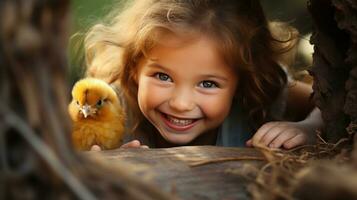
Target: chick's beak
x,y
86,110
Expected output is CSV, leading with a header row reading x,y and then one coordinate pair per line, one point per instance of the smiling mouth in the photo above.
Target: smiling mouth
x,y
178,124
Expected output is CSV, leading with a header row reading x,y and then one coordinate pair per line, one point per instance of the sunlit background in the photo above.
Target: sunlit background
x,y
86,13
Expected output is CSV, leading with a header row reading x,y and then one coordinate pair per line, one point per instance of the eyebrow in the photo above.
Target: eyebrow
x,y
157,65
209,76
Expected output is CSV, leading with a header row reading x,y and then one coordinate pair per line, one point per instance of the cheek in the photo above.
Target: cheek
x,y
216,107
149,95
73,111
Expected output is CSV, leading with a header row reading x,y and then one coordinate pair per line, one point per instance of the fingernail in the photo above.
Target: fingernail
x,y
95,148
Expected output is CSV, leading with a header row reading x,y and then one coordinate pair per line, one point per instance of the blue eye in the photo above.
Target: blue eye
x,y
208,84
163,77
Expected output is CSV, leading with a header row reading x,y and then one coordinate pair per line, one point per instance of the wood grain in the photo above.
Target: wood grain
x,y
190,172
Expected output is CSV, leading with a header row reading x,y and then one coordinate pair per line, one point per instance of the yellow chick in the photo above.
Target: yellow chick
x,y
97,115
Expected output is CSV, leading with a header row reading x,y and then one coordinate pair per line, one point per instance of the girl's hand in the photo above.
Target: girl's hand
x,y
283,134
95,148
134,144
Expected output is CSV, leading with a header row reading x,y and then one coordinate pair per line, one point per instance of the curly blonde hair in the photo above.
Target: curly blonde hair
x,y
240,27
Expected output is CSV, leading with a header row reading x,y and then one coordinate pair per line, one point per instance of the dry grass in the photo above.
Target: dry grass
x,y
286,172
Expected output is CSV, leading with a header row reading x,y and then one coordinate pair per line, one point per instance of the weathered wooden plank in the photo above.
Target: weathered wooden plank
x,y
175,170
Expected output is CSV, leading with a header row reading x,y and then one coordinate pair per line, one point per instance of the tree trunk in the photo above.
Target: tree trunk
x,y
37,160
335,87
330,69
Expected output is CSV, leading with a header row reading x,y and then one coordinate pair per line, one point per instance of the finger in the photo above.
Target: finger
x,y
299,139
282,138
271,135
249,143
262,131
132,144
144,147
95,148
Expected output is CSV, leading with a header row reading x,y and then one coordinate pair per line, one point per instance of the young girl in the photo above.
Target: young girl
x,y
202,72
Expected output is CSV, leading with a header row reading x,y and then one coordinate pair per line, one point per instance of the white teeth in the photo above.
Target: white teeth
x,y
179,122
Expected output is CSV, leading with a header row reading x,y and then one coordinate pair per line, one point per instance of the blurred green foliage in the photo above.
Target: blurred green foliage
x,y
293,12
85,13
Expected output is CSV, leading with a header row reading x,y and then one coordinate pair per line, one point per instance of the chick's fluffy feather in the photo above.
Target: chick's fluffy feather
x,y
104,125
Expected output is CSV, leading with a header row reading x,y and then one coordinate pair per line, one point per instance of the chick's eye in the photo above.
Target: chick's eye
x,y
208,84
163,77
99,103
77,102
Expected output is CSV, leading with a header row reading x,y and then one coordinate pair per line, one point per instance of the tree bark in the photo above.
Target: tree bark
x,y
334,65
36,157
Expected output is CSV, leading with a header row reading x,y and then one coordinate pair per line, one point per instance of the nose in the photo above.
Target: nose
x,y
182,100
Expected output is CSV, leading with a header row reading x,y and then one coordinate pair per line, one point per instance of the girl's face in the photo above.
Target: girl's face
x,y
185,89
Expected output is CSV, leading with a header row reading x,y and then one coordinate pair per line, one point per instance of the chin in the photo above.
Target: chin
x,y
178,141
